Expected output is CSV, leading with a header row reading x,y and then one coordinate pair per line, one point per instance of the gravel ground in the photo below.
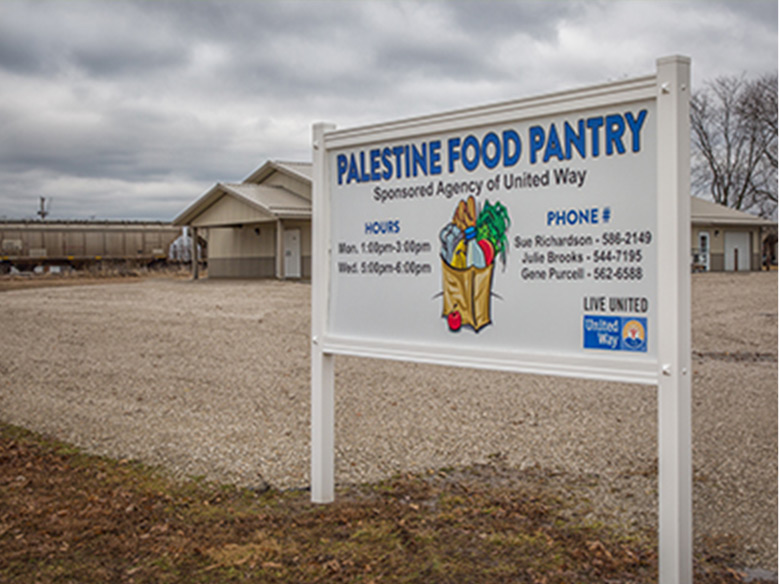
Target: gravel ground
x,y
212,378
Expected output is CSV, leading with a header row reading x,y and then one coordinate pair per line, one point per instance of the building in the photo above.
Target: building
x,y
261,227
724,239
258,228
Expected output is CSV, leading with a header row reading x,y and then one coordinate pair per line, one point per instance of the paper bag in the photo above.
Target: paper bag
x,y
468,291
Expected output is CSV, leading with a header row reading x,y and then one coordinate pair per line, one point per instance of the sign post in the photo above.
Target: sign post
x,y
674,424
548,235
322,365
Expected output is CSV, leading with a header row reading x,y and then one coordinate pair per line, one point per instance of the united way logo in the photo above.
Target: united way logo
x,y
634,335
614,333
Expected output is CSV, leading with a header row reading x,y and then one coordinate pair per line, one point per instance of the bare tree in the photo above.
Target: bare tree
x,y
734,143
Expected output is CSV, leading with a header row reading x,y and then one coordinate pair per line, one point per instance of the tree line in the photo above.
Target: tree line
x,y
734,143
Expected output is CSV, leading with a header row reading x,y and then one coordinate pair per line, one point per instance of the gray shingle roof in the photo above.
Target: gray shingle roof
x,y
702,211
278,201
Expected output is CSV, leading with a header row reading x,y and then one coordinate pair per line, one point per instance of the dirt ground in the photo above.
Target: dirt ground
x,y
29,281
201,377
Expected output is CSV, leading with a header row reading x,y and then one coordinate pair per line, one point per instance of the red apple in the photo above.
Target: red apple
x,y
488,249
455,320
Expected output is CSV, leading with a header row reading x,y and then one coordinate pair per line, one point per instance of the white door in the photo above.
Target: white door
x,y
292,253
737,252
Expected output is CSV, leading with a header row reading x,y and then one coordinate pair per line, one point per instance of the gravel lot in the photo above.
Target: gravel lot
x,y
212,378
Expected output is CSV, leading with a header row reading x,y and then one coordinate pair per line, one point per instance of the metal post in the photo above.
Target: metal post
x,y
674,387
193,242
322,426
322,364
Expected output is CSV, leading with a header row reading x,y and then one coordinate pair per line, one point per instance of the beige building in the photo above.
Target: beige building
x,y
258,228
261,227
724,239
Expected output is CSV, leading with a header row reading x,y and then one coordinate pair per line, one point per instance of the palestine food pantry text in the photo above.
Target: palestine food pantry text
x,y
584,138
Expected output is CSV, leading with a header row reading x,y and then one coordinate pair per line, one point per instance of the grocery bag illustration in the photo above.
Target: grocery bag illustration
x,y
470,245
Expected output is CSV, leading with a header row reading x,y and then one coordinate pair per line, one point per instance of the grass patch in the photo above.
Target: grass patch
x,y
69,517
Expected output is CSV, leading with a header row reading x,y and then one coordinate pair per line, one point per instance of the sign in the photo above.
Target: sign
x,y
548,235
511,238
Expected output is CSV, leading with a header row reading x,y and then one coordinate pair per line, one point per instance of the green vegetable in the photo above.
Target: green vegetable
x,y
492,224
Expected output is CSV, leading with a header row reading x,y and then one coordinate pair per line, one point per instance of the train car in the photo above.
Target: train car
x,y
26,245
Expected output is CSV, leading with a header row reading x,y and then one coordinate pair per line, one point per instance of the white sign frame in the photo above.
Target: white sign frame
x,y
670,371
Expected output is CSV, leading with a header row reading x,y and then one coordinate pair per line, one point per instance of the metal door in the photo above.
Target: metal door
x,y
292,253
737,252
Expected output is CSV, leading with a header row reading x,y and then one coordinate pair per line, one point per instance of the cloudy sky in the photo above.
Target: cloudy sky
x,y
131,110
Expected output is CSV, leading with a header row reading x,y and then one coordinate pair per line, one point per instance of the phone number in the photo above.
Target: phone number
x,y
617,255
620,273
626,237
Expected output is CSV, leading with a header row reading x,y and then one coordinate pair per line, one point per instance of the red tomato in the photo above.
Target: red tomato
x,y
488,249
455,320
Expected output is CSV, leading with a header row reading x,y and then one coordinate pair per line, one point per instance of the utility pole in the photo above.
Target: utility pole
x,y
43,211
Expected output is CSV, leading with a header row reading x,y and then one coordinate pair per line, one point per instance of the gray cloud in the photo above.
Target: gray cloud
x,y
132,109
535,18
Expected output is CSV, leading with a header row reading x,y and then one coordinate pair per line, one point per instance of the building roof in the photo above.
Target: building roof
x,y
301,170
275,201
707,213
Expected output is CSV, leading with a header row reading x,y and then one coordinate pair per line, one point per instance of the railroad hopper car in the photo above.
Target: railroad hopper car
x,y
26,245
